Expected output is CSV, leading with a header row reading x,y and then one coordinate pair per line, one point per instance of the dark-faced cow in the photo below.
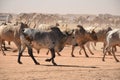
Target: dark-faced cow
x,y
83,36
53,39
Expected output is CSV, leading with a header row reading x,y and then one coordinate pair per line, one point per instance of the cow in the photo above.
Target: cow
x,y
53,39
11,33
83,36
112,40
70,40
45,27
101,35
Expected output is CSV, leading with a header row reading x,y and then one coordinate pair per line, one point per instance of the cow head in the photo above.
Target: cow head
x,y
61,38
20,26
27,32
81,29
80,32
71,37
83,36
108,29
57,24
93,35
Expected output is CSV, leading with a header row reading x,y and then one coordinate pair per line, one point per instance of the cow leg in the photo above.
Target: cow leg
x,y
85,51
9,42
114,48
104,53
58,54
80,51
103,59
88,47
90,50
4,46
93,44
38,51
73,47
21,49
52,58
113,52
30,51
47,52
109,53
1,48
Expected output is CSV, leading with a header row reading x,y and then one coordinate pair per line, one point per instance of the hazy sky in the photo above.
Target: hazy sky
x,y
61,6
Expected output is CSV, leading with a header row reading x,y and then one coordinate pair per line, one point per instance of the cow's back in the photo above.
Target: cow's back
x,y
113,37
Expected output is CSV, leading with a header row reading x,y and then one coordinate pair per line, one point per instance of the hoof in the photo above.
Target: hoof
x,y
73,56
103,60
48,60
87,56
59,55
15,50
80,53
117,61
20,62
92,53
54,64
37,63
4,54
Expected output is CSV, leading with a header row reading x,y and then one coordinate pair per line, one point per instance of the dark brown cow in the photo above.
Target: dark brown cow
x,y
83,36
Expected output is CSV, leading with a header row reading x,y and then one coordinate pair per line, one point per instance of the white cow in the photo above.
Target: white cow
x,y
112,40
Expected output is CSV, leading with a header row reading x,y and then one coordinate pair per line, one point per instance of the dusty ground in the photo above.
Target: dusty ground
x,y
69,68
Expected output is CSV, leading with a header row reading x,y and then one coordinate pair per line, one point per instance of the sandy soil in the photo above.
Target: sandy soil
x,y
69,68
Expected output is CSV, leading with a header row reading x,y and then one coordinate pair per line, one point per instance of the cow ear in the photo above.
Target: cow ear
x,y
69,33
57,24
109,28
81,29
79,26
23,30
93,32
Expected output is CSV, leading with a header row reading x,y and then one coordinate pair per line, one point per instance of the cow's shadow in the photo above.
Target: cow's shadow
x,y
77,66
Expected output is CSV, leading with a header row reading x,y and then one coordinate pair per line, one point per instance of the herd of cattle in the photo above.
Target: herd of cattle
x,y
54,39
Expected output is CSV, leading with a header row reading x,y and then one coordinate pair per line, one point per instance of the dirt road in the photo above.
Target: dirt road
x,y
69,68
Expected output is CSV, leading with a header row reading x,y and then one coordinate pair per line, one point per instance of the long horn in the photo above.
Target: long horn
x,y
94,28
